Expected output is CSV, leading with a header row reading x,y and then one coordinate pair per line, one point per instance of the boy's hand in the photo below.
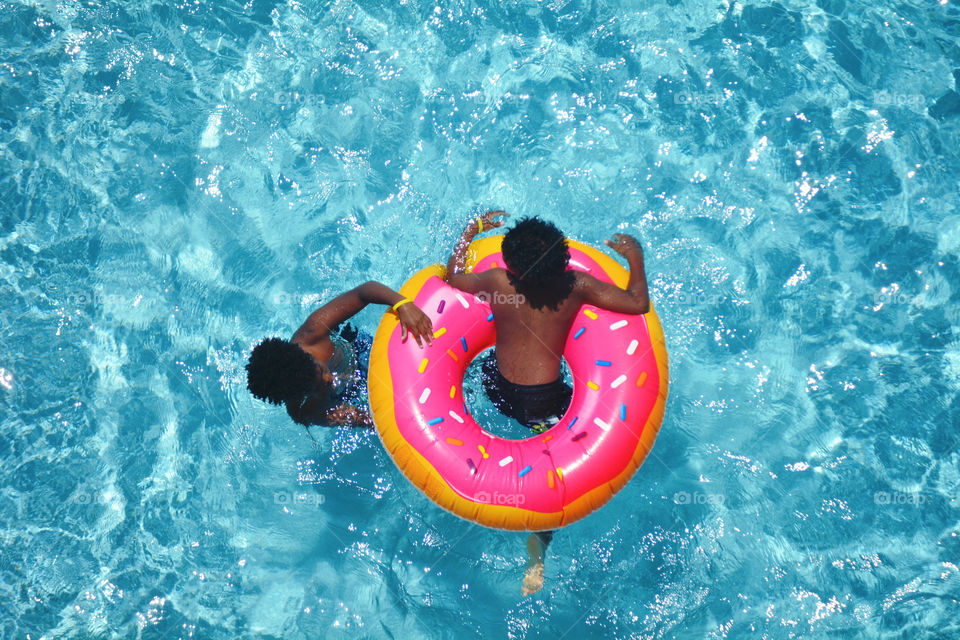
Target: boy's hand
x,y
624,245
415,322
491,220
345,415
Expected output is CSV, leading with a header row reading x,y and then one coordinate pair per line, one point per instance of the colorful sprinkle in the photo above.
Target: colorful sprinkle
x,y
453,355
547,439
604,363
560,473
593,385
618,325
463,301
642,379
440,307
573,422
490,318
580,436
550,483
579,332
473,467
424,395
453,414
423,365
600,423
590,314
455,442
483,451
494,265
633,347
439,332
453,390
506,461
436,420
463,341
623,412
527,469
619,381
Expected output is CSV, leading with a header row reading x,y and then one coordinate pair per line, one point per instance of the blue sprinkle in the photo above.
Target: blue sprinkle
x,y
573,422
623,412
604,363
489,317
463,341
435,421
525,470
579,332
465,412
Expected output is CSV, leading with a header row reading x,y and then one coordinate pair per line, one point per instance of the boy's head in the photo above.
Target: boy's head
x,y
536,255
280,371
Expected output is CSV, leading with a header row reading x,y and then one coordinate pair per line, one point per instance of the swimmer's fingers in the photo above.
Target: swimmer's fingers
x,y
495,218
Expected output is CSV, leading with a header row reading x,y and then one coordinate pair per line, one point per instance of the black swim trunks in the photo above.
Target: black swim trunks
x,y
536,406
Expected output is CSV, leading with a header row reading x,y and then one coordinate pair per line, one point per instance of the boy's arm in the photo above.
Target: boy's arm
x,y
635,298
457,264
321,322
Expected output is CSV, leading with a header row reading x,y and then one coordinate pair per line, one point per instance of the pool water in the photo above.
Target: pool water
x,y
179,180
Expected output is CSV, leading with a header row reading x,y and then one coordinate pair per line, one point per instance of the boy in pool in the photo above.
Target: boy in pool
x,y
320,374
535,300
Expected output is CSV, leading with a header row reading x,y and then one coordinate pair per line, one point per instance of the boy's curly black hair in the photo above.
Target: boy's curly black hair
x,y
280,371
536,254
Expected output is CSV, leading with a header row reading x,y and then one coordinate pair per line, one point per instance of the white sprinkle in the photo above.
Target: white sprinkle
x,y
466,305
600,423
453,414
424,395
633,347
618,325
506,461
619,381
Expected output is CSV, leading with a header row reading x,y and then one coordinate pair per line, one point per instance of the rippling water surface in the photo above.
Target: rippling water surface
x,y
178,180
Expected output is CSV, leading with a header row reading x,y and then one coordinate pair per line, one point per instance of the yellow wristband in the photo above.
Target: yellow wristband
x,y
479,225
401,303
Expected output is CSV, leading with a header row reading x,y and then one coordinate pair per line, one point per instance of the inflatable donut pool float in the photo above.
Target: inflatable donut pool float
x,y
546,481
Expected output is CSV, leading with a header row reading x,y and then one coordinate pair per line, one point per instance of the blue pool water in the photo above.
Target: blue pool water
x,y
178,180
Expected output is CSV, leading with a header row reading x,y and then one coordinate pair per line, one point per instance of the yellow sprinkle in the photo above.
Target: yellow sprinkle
x,y
550,482
482,451
454,441
423,365
560,474
453,391
590,314
439,332
593,385
642,379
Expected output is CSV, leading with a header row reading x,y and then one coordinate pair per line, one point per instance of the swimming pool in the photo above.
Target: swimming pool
x,y
179,180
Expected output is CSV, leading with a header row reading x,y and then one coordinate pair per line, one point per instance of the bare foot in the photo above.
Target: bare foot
x,y
533,578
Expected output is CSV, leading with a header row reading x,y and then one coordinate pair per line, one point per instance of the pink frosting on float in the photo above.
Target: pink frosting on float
x,y
593,442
